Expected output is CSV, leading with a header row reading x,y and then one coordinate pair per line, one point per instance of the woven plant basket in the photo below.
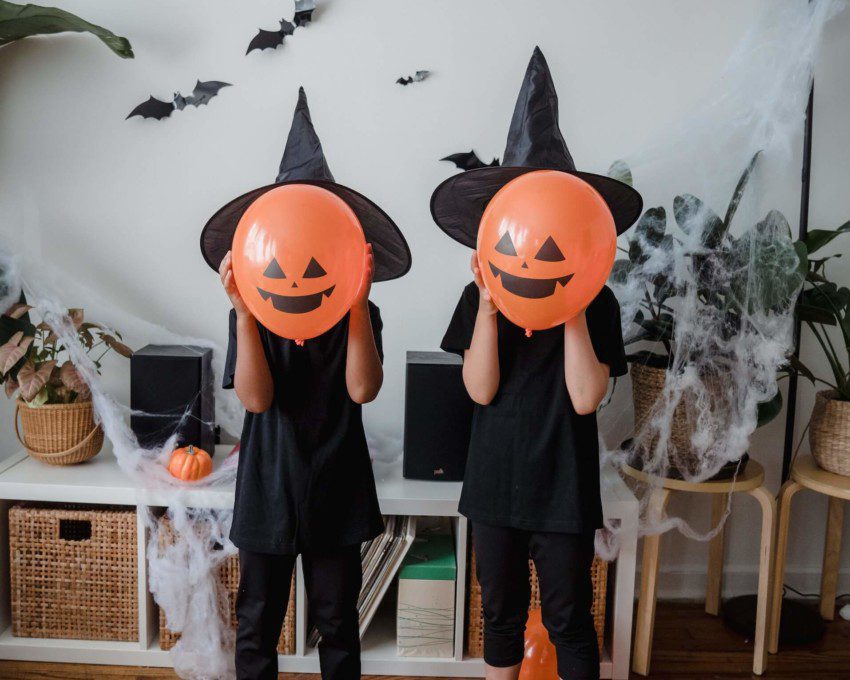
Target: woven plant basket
x,y
829,433
475,618
228,574
59,434
647,389
74,573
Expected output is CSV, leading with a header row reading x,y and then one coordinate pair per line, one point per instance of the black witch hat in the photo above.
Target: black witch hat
x,y
304,162
534,143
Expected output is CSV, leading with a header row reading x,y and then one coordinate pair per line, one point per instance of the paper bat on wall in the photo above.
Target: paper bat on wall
x,y
159,109
469,161
272,39
415,78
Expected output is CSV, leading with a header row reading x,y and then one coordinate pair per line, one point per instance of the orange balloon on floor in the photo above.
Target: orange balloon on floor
x,y
298,259
546,245
540,662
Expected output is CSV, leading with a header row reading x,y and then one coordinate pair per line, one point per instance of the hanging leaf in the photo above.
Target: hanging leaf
x,y
76,317
768,410
818,238
620,171
692,214
117,345
32,379
40,399
11,386
71,379
12,352
23,21
739,191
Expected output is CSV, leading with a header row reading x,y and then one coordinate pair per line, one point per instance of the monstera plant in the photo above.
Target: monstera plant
x,y
23,21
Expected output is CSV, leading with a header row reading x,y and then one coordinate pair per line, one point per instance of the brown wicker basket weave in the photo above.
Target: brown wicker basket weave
x,y
647,388
829,433
475,613
229,580
74,573
59,434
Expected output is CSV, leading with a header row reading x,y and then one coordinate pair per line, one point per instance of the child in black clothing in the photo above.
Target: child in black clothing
x,y
304,483
532,477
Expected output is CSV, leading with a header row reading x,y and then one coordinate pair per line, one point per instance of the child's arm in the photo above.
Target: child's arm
x,y
364,374
252,379
481,360
586,377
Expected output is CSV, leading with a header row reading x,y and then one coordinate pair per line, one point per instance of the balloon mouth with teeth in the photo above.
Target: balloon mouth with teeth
x,y
296,304
528,288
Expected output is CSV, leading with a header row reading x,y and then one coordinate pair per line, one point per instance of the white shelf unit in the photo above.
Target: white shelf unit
x,y
101,482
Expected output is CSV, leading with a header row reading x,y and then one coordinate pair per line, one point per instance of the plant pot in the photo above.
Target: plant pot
x,y
647,389
59,434
829,433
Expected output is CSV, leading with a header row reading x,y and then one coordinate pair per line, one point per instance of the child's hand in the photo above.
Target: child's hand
x,y
368,274
225,270
485,302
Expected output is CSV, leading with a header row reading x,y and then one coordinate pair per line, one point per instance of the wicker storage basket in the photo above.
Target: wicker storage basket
x,y
229,580
59,434
475,617
74,573
829,433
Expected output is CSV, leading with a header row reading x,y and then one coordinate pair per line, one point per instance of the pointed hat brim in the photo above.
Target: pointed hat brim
x,y
458,203
389,247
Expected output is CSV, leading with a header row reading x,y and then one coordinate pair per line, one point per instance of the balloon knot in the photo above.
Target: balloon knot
x,y
528,332
300,343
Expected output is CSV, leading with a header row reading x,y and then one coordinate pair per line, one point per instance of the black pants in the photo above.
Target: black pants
x,y
333,583
563,564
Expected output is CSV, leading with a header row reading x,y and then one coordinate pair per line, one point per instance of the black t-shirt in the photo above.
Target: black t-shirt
x,y
533,461
304,479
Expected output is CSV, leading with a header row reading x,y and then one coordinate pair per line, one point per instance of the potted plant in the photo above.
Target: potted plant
x,y
53,400
825,309
721,269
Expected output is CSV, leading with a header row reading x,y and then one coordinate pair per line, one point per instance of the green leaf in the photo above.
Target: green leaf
x,y
768,410
739,191
22,21
691,213
620,171
818,238
798,367
649,230
620,271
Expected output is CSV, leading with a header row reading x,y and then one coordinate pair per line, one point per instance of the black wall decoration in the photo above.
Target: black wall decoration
x,y
469,161
415,78
272,39
159,109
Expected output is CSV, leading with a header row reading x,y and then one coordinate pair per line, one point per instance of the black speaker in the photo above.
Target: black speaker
x,y
437,417
171,386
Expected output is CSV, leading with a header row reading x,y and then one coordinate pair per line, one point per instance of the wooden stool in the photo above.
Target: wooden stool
x,y
805,474
751,481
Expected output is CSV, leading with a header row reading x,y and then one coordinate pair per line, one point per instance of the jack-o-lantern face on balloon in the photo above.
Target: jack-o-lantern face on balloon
x,y
298,259
546,245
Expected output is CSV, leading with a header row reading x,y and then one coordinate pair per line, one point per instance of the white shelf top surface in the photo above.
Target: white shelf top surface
x,y
101,480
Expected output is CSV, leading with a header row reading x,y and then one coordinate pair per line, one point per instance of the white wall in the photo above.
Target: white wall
x,y
119,204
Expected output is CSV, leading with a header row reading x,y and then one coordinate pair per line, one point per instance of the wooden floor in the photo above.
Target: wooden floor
x,y
689,645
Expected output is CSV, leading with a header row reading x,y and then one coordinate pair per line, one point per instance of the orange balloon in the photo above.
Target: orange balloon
x,y
299,259
540,662
546,244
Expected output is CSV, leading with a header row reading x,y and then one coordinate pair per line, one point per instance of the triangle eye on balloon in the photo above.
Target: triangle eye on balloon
x,y
314,270
505,245
273,271
549,252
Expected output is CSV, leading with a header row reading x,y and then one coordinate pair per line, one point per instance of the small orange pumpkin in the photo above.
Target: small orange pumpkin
x,y
190,464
